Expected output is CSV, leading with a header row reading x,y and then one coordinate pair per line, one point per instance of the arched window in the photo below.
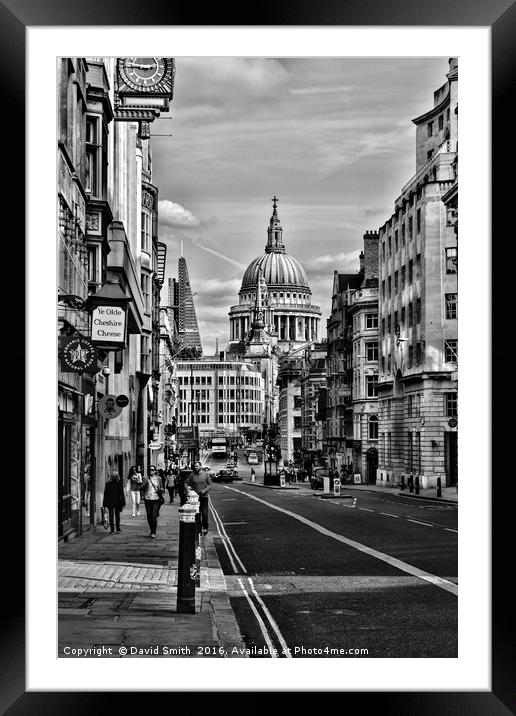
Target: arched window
x,y
373,427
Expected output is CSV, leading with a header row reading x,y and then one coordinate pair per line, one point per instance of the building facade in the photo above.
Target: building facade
x,y
220,396
417,387
290,409
363,313
108,253
313,406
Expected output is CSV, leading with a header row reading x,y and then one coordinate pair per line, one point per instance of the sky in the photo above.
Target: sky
x,y
332,138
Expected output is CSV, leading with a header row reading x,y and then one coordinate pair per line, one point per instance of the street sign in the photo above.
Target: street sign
x,y
122,400
452,422
357,478
336,486
282,481
108,408
155,446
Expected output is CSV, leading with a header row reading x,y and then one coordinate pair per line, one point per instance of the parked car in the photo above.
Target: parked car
x,y
252,458
223,476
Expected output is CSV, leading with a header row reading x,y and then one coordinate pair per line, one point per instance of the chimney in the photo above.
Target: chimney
x,y
371,255
361,259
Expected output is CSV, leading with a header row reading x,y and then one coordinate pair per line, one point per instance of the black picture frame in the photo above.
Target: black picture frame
x,y
500,16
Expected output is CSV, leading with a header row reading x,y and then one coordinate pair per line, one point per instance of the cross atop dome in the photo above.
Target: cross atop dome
x,y
274,231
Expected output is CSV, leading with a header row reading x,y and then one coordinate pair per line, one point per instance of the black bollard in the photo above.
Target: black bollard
x,y
411,483
198,549
439,491
402,485
186,573
417,485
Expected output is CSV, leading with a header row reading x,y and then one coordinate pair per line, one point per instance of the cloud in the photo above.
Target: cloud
x,y
172,214
218,254
324,89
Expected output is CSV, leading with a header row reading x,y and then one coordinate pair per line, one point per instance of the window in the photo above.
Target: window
x,y
371,386
450,405
383,326
389,246
145,292
410,314
410,226
418,353
450,351
371,320
402,325
94,156
389,286
403,234
418,220
430,127
451,260
395,282
418,310
383,289
451,305
297,423
93,266
441,121
402,277
429,154
396,244
146,230
410,451
388,324
410,356
448,115
410,268
383,251
418,266
373,427
372,351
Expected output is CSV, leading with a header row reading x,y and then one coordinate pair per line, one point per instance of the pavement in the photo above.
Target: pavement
x,y
119,592
448,494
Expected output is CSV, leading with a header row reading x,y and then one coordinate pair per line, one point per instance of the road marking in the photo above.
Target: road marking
x,y
388,514
227,541
449,529
272,622
417,522
396,563
263,628
365,509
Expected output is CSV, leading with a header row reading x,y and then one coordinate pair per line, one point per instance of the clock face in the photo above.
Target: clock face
x,y
142,73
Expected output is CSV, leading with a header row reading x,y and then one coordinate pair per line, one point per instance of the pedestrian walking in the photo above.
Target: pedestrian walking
x,y
152,494
114,500
134,484
171,484
253,474
199,480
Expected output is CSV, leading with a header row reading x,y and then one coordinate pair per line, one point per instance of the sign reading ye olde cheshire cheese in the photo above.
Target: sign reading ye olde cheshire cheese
x,y
108,324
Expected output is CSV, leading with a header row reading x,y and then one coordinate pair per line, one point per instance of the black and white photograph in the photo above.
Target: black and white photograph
x,y
259,417
258,383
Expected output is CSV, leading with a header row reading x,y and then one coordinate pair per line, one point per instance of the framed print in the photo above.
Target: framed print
x,y
246,124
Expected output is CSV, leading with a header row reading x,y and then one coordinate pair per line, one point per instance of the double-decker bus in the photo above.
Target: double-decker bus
x,y
219,445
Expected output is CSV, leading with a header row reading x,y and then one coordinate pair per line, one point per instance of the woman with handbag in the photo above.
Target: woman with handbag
x,y
152,494
134,485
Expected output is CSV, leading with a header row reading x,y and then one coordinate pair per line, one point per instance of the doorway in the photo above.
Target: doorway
x,y
372,465
450,458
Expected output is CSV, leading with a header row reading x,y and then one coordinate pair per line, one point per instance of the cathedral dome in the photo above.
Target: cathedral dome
x,y
279,269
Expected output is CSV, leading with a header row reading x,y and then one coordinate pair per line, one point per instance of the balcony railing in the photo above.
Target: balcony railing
x,y
447,147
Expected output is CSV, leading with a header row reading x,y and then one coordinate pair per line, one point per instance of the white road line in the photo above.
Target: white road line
x,y
397,563
224,541
227,541
449,529
271,620
365,509
417,522
260,621
388,514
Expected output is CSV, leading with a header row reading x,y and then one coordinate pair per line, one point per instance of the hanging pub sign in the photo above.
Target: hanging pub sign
x,y
78,355
109,316
108,324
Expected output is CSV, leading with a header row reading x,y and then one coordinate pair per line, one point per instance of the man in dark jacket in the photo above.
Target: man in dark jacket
x,y
199,480
114,500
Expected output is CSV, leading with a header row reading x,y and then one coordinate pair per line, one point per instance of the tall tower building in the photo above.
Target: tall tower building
x,y
180,295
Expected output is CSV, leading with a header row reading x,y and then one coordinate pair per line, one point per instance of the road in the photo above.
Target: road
x,y
308,575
